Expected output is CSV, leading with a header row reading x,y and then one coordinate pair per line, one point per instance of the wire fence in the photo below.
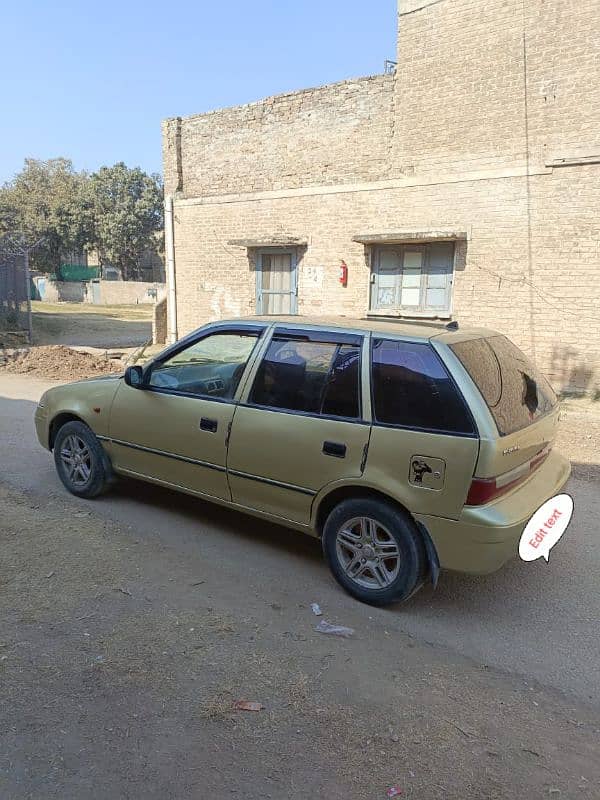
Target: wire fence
x,y
15,298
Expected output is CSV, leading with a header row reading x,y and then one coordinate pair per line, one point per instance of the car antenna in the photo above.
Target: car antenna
x,y
452,326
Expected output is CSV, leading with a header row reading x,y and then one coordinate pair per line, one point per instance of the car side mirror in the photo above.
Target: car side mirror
x,y
134,377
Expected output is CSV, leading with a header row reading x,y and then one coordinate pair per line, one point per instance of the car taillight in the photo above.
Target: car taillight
x,y
484,490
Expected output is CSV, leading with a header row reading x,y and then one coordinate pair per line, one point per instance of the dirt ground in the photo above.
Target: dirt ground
x,y
59,363
63,332
84,324
120,663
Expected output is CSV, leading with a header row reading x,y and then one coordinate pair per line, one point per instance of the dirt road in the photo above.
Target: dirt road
x,y
131,624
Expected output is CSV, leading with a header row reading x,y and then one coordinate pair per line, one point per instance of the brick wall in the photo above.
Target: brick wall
x,y
487,96
338,133
112,293
159,322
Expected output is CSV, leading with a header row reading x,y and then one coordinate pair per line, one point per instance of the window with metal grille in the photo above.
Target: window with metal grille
x,y
415,280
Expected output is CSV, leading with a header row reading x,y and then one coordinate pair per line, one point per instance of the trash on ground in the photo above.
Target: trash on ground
x,y
50,574
247,705
125,591
394,791
334,630
316,609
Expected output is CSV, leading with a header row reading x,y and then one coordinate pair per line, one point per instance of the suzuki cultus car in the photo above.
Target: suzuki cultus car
x,y
403,447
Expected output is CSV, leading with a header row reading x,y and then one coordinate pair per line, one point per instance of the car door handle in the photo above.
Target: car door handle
x,y
336,449
209,425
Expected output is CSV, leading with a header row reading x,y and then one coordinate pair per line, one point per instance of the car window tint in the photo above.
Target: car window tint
x,y
412,388
514,390
313,377
210,367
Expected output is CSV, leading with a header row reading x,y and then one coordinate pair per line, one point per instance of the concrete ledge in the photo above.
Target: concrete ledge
x,y
373,186
270,241
410,236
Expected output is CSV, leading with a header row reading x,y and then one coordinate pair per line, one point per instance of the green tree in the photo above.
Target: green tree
x,y
47,202
127,211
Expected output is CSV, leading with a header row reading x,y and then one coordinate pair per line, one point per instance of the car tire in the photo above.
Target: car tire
x,y
80,461
374,550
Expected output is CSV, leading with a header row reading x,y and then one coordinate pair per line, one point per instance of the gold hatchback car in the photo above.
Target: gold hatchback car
x,y
403,447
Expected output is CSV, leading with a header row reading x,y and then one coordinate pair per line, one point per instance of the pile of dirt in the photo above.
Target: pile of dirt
x,y
58,363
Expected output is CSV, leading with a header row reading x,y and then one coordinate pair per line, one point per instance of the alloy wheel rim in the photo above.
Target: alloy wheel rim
x,y
368,553
77,460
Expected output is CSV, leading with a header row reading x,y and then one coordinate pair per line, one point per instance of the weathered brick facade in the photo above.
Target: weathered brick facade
x,y
488,133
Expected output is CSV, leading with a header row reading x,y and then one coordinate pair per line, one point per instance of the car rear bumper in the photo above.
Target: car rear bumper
x,y
486,537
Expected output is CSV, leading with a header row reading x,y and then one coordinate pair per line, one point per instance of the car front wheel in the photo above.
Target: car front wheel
x,y
374,550
80,461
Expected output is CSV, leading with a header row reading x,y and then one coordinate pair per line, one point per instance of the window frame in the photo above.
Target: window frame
x,y
255,329
322,336
422,311
417,428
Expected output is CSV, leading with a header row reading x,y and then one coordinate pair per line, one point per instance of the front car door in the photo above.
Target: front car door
x,y
299,424
175,429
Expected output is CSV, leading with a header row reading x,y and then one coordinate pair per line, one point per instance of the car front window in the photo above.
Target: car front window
x,y
210,367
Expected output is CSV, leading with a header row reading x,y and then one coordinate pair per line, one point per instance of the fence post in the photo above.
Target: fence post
x,y
28,291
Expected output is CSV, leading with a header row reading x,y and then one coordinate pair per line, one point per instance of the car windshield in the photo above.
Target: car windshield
x,y
516,393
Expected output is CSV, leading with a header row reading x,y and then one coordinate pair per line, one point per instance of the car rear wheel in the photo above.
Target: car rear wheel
x,y
80,460
374,550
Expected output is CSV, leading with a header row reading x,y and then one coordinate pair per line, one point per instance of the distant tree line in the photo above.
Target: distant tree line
x,y
116,212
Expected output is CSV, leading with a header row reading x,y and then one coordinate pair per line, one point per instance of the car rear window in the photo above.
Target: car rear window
x,y
412,389
311,377
515,391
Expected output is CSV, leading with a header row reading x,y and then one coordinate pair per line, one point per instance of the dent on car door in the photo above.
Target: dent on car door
x,y
424,442
301,426
175,428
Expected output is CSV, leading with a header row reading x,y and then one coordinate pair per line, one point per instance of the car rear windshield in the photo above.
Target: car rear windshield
x,y
515,392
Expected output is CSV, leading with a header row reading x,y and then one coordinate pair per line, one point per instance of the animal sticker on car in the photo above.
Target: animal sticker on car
x,y
427,472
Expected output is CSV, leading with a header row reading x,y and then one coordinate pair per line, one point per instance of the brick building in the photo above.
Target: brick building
x,y
466,185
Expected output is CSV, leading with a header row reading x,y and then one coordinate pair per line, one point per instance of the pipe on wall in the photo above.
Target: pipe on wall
x,y
171,287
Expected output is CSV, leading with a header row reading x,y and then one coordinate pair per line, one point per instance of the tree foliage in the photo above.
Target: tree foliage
x,y
116,211
126,212
45,203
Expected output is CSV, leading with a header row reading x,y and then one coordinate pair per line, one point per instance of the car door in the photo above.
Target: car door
x,y
299,425
424,442
174,428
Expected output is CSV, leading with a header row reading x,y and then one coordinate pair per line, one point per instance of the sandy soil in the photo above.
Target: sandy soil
x,y
120,663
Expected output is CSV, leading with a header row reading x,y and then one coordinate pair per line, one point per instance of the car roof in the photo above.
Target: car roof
x,y
393,327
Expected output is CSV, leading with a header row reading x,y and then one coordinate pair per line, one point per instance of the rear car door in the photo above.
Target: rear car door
x,y
175,428
424,443
299,426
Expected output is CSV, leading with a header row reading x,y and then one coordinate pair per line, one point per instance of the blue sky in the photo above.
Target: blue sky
x,y
92,81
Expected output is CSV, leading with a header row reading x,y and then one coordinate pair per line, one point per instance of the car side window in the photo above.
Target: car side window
x,y
313,377
211,367
412,389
